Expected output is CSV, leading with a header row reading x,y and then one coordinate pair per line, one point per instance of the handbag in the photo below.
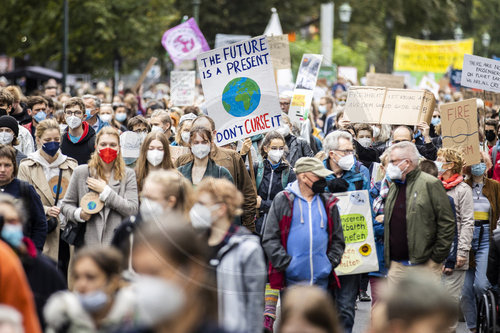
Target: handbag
x,y
52,221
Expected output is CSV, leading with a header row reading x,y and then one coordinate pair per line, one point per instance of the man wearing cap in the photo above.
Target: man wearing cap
x,y
303,236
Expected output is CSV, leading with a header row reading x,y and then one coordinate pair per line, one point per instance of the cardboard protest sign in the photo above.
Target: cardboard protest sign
x,y
459,128
225,39
240,91
182,87
481,73
280,51
304,87
385,80
430,56
379,105
360,254
184,42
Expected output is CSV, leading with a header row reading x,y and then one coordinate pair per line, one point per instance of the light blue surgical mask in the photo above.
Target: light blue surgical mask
x,y
436,121
13,234
478,169
121,117
40,116
88,114
93,301
129,160
322,109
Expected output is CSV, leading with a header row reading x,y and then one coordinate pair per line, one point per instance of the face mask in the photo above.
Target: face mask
x,y
129,160
3,112
108,155
106,118
394,172
51,148
150,295
322,109
200,150
439,166
319,186
94,301
284,130
365,142
185,136
478,169
447,97
121,117
88,114
13,234
490,135
201,216
436,121
157,129
150,209
376,131
346,162
6,138
155,157
40,116
73,122
275,155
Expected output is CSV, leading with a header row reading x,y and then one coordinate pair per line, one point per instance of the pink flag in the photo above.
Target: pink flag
x,y
184,42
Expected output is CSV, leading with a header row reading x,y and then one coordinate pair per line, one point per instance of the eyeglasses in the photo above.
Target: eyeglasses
x,y
73,113
346,151
284,103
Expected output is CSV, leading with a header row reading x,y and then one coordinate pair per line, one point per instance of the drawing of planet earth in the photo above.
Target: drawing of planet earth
x,y
241,96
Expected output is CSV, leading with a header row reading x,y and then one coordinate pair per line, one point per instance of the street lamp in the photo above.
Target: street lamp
x,y
458,33
426,33
486,39
196,10
345,12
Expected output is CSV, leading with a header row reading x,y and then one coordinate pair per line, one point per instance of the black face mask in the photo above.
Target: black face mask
x,y
490,135
3,112
319,186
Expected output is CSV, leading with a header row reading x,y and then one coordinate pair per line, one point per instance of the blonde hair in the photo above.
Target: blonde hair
x,y
452,155
97,163
45,125
174,184
180,129
222,191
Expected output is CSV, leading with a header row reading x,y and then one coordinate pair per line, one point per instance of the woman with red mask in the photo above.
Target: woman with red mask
x,y
102,193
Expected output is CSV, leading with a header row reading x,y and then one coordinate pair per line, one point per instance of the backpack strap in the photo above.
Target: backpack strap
x,y
260,174
284,177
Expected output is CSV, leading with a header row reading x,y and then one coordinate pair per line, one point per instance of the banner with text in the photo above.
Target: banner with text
x,y
240,90
481,73
280,51
304,87
360,254
430,56
182,87
459,128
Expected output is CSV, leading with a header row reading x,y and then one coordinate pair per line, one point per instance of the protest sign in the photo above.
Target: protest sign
x,y
240,91
349,73
379,105
456,77
184,42
430,56
225,39
360,254
481,73
429,84
385,80
459,128
304,87
328,74
280,51
182,87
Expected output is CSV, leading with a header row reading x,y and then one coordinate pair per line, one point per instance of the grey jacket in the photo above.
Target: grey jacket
x,y
122,202
464,206
241,282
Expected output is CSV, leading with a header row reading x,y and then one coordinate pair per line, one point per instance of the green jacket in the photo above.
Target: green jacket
x,y
430,223
213,170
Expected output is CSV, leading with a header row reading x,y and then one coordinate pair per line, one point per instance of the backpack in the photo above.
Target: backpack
x,y
260,175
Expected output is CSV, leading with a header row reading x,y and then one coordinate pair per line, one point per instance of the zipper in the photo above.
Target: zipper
x,y
311,266
270,185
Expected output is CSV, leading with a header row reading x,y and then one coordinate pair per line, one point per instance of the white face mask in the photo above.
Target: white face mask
x,y
185,136
201,216
106,118
155,157
6,138
284,130
365,142
200,150
275,155
73,121
157,129
376,131
394,172
150,210
346,162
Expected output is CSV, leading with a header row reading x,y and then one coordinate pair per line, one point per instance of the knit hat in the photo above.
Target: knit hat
x,y
10,122
311,164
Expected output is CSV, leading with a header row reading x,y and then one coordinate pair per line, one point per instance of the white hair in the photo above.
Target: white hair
x,y
409,151
97,101
331,142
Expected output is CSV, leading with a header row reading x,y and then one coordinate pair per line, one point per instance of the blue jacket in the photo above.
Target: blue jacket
x,y
358,177
308,241
378,232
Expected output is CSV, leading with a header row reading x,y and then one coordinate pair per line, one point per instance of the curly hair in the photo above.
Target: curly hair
x,y
222,191
452,155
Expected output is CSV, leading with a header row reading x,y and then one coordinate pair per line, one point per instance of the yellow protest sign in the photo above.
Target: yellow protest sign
x,y
417,55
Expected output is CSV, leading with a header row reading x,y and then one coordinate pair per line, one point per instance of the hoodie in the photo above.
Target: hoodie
x,y
308,241
49,169
81,150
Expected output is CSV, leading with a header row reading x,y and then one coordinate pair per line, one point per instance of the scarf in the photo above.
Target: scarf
x,y
378,203
452,181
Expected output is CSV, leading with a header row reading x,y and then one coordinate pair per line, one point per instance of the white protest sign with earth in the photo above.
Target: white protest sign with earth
x,y
240,90
360,254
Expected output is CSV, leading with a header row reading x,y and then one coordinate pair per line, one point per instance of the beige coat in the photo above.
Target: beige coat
x,y
122,202
32,171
